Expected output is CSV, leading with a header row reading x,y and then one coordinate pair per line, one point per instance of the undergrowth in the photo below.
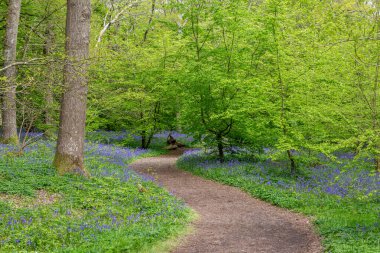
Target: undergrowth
x,y
129,139
43,212
342,199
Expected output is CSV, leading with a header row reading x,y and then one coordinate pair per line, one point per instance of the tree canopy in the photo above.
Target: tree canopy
x,y
288,75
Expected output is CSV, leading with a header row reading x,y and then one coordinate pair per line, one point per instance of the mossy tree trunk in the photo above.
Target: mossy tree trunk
x,y
9,94
69,157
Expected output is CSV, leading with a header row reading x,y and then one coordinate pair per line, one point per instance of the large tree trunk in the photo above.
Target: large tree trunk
x,y
9,95
69,157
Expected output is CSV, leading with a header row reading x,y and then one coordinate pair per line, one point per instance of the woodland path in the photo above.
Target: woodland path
x,y
230,220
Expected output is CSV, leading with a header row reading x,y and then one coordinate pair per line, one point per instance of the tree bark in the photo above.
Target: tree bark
x,y
149,141
143,139
219,140
9,95
293,167
1,113
377,163
69,157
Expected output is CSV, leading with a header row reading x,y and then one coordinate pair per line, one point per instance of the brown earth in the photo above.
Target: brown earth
x,y
230,220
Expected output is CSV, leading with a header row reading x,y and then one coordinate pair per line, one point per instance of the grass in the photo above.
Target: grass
x,y
342,198
173,241
41,211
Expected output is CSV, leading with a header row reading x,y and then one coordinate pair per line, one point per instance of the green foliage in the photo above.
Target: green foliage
x,y
291,76
41,211
286,74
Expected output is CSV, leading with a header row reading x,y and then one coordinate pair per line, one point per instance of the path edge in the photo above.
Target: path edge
x,y
311,219
179,236
174,240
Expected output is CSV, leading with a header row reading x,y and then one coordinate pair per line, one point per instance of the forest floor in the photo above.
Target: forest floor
x,y
230,220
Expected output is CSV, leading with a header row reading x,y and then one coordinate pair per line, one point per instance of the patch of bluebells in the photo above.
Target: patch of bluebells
x,y
31,135
338,180
343,182
115,161
116,155
86,226
101,136
345,155
38,137
4,149
23,134
237,150
120,157
70,224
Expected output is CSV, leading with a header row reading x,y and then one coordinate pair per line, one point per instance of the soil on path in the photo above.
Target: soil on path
x,y
230,220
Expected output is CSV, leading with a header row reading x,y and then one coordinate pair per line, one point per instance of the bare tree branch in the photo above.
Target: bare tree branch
x,y
30,62
150,20
115,19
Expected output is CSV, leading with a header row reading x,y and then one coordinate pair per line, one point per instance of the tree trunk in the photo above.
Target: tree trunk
x,y
150,138
49,96
1,114
150,21
9,95
220,148
69,157
143,139
49,119
377,163
292,163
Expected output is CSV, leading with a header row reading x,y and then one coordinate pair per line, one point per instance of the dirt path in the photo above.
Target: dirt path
x,y
230,220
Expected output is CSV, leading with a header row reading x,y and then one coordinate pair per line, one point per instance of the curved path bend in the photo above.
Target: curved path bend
x,y
230,220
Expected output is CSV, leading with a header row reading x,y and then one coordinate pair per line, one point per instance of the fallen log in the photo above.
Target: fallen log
x,y
173,143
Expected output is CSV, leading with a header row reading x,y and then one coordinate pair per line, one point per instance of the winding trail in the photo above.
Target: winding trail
x,y
230,220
